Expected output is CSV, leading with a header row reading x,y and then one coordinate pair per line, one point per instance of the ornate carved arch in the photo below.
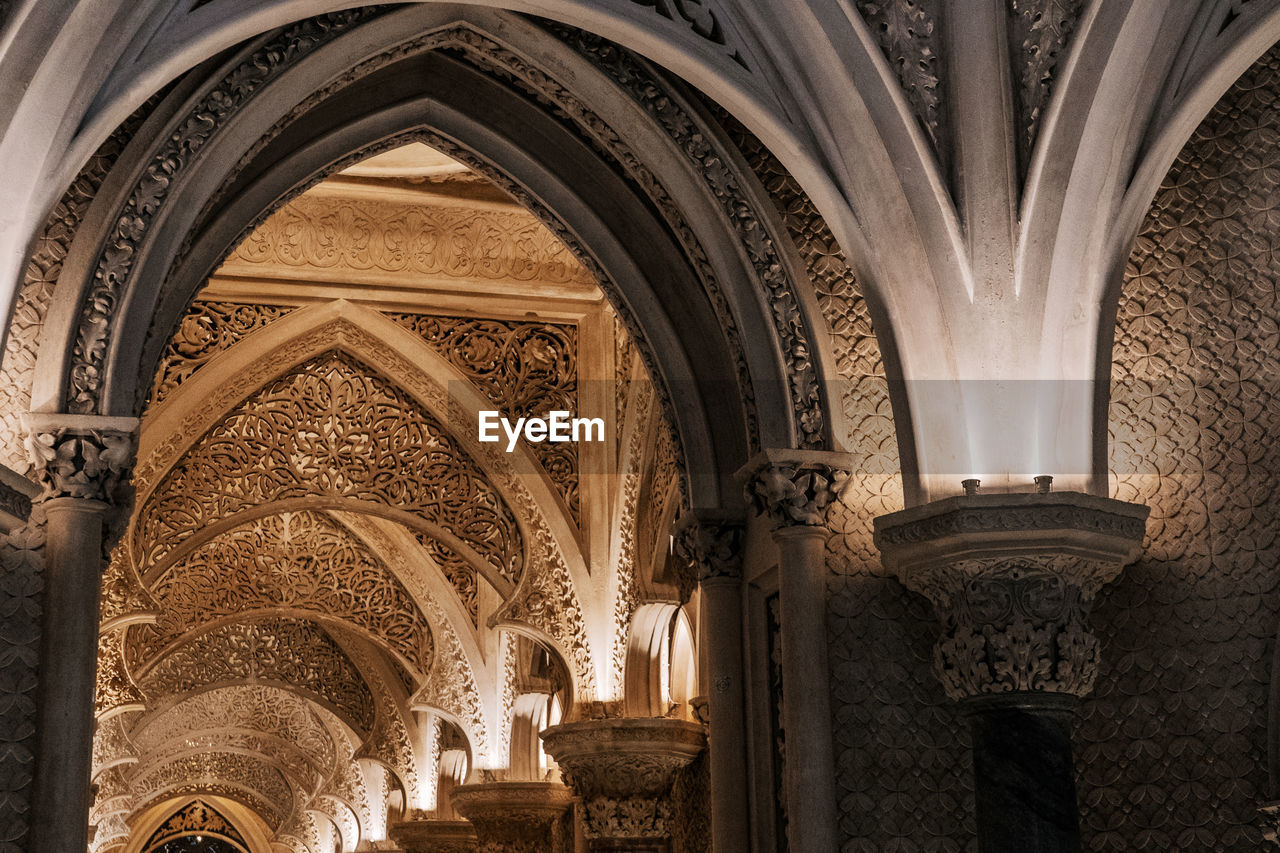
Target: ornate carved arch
x,y
245,197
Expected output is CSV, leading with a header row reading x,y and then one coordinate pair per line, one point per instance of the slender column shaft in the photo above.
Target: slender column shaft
x,y
722,608
806,707
68,665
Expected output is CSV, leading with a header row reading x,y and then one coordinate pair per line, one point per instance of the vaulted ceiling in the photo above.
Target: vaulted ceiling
x,y
325,568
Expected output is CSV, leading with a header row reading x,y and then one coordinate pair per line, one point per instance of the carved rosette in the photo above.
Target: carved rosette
x,y
435,836
706,549
623,769
514,817
795,487
1012,578
82,456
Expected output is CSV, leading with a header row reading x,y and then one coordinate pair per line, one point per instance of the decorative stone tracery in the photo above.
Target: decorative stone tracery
x,y
335,429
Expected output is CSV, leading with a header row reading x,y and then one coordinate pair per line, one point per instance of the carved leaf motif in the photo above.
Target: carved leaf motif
x,y
331,428
297,561
905,29
283,651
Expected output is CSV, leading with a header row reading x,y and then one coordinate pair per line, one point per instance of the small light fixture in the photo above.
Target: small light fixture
x,y
1044,483
970,486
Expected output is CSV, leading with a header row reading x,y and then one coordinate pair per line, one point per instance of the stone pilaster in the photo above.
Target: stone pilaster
x,y
514,817
1012,578
709,549
794,489
623,769
83,464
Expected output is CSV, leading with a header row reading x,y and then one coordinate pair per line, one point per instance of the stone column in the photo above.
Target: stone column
x,y
514,817
434,836
83,463
623,769
1013,577
710,552
794,489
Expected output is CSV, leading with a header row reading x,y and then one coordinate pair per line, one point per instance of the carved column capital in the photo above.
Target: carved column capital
x,y
707,548
81,456
434,836
1013,577
623,769
514,817
795,487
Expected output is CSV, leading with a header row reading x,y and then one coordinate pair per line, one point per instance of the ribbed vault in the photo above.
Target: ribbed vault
x,y
326,571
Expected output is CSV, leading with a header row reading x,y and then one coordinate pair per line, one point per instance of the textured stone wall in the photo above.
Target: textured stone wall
x,y
1172,747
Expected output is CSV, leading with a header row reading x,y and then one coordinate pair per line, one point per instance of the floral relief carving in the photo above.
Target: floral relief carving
x,y
626,596
249,780
196,816
441,240
331,428
906,32
269,711
1015,626
81,463
526,369
297,561
461,574
207,329
1038,33
797,493
1193,420
115,264
283,651
707,549
115,688
112,744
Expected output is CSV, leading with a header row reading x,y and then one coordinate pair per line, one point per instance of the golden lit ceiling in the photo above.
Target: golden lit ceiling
x,y
326,573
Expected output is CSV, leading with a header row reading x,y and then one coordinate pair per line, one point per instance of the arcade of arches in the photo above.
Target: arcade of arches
x,y
922,496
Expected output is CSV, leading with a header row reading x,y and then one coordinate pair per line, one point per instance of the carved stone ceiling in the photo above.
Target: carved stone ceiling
x,y
332,552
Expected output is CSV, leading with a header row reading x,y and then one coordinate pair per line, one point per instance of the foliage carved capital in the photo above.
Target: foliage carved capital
x,y
706,549
796,487
1012,578
623,768
81,456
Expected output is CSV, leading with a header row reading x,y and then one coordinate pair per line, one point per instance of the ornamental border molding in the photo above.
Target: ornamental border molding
x,y
166,168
